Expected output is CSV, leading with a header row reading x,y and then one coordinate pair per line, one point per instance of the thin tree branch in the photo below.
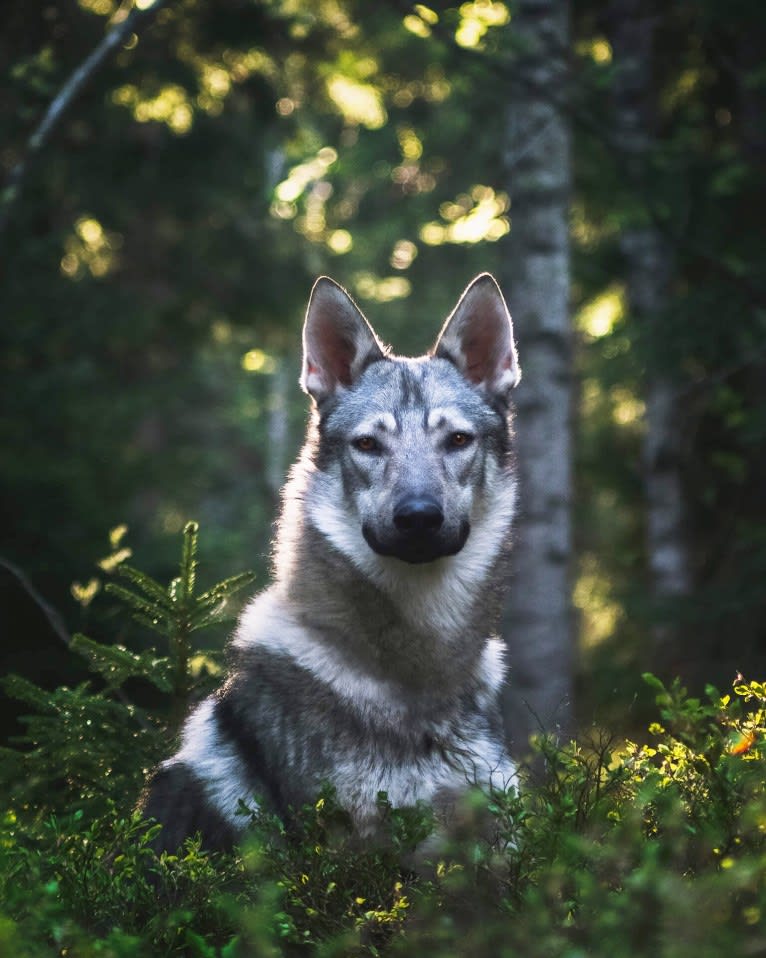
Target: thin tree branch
x,y
58,625
63,100
55,620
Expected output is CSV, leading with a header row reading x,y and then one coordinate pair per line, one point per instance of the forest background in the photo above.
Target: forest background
x,y
158,245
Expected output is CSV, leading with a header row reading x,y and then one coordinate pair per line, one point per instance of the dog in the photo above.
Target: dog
x,y
370,664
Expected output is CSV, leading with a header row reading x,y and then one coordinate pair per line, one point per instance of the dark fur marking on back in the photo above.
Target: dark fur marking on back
x,y
236,729
175,798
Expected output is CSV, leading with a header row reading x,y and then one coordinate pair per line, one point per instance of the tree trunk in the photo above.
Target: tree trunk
x,y
648,262
538,622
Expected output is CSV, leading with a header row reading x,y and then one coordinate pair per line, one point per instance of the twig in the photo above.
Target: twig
x,y
76,83
54,618
58,625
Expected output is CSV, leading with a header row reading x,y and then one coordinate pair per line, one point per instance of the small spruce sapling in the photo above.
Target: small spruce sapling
x,y
174,613
86,744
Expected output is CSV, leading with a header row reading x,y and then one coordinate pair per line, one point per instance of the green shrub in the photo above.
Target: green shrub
x,y
615,849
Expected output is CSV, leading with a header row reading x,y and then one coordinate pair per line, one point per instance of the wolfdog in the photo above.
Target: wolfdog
x,y
369,664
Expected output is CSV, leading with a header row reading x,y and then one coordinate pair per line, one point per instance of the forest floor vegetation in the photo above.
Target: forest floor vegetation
x,y
613,848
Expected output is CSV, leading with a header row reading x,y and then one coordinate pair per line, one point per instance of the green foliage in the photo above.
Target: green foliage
x,y
173,613
73,747
333,884
616,849
70,755
95,888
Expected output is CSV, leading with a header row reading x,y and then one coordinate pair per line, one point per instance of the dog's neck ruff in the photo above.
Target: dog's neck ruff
x,y
263,625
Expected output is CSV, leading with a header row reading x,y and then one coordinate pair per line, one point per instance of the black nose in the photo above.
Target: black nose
x,y
415,514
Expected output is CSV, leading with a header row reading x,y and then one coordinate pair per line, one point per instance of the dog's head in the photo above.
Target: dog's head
x,y
411,446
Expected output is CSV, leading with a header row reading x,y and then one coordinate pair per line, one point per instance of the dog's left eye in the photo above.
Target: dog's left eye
x,y
366,444
459,440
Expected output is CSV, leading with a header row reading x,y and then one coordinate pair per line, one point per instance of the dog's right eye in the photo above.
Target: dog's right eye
x,y
366,444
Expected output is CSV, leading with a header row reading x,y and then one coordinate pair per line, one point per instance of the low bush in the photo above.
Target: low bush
x,y
609,849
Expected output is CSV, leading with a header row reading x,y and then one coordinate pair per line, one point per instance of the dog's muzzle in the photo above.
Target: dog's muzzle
x,y
418,533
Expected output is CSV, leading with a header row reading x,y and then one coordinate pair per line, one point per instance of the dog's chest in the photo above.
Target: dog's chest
x,y
436,773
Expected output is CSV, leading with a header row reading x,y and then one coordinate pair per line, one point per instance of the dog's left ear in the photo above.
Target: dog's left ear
x,y
478,338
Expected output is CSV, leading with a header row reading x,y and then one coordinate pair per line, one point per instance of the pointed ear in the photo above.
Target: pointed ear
x,y
478,338
338,342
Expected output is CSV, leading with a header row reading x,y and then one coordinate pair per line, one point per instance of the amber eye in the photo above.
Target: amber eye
x,y
459,440
366,444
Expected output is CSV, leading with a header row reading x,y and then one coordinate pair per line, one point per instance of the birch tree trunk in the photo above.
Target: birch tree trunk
x,y
648,261
538,622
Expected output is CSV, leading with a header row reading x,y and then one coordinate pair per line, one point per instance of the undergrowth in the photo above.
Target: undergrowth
x,y
614,849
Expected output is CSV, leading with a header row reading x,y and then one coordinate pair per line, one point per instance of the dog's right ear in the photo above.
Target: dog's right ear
x,y
338,342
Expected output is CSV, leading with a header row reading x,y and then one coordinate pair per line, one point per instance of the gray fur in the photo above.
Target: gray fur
x,y
369,662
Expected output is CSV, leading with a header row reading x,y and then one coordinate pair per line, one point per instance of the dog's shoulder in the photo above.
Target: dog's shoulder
x,y
268,622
